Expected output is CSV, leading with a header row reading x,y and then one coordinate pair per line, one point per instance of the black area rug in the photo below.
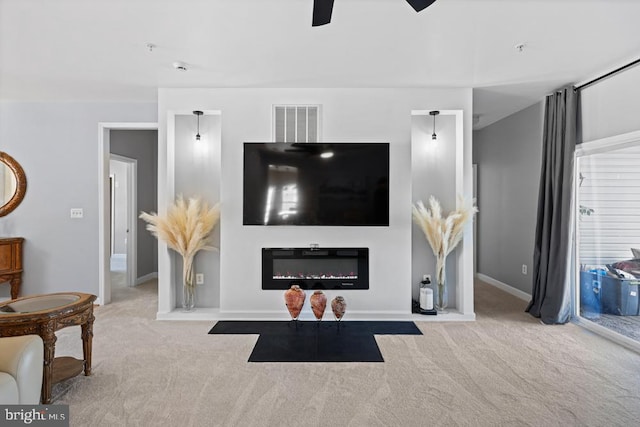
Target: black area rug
x,y
290,341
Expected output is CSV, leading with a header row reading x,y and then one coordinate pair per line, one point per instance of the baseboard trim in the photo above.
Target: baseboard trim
x,y
607,333
503,286
146,277
215,314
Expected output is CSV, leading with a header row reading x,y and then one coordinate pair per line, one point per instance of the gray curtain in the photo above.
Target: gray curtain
x,y
551,296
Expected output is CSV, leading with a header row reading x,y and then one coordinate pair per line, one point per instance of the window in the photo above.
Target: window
x,y
608,229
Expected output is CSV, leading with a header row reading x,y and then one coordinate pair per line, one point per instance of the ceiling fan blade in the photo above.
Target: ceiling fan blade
x,y
322,12
419,5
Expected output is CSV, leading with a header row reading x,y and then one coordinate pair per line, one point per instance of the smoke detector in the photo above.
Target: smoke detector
x,y
180,66
520,47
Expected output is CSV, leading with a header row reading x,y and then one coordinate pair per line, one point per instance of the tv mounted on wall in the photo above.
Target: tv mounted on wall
x,y
329,184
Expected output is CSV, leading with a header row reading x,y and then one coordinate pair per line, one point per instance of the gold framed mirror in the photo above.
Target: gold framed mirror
x,y
13,183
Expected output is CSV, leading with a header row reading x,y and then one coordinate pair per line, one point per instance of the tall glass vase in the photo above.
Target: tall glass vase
x,y
188,286
442,295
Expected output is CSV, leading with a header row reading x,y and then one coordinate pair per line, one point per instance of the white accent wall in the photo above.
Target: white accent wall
x,y
349,115
196,172
431,159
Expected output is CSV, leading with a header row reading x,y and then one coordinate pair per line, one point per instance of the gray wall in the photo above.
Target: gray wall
x,y
509,155
57,145
142,145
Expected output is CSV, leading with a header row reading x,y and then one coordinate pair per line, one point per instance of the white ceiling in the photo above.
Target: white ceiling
x,y
96,49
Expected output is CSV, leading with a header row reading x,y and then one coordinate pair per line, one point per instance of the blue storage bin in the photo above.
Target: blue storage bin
x,y
609,295
590,286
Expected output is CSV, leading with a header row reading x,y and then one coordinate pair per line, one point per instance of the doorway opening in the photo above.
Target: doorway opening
x,y
122,141
123,175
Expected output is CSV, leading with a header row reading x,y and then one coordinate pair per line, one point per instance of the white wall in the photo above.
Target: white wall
x,y
200,177
57,145
610,107
379,115
433,172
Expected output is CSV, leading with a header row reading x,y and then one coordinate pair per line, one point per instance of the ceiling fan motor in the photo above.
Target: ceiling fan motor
x,y
322,9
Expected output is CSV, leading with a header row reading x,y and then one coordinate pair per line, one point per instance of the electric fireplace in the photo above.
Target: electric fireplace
x,y
315,268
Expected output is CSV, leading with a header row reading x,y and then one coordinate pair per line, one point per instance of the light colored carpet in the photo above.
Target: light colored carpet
x,y
505,369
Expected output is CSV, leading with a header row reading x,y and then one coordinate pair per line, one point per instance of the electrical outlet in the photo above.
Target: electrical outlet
x,y
76,213
426,277
524,269
199,279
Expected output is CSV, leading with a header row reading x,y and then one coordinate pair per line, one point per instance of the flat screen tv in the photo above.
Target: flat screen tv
x,y
330,184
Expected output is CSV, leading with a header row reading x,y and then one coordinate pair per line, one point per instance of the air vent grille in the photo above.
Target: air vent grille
x,y
295,123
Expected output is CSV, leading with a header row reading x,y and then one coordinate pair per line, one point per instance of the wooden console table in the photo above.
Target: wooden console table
x,y
11,263
44,315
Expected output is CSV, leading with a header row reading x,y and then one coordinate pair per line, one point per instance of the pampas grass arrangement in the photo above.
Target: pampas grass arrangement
x,y
442,233
186,229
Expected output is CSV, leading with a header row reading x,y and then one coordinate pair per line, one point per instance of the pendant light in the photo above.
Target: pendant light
x,y
434,113
198,114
